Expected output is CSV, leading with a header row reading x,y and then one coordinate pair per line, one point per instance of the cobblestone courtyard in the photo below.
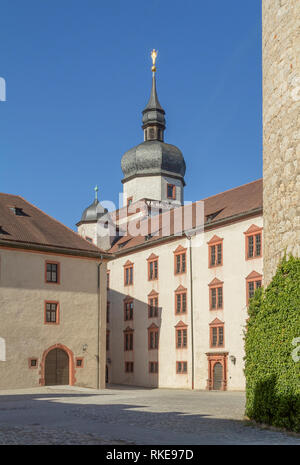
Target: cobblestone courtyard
x,y
119,415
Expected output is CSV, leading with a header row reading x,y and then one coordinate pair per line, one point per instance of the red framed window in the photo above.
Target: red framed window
x,y
253,244
153,336
32,363
128,273
216,334
216,299
128,309
128,340
51,313
181,336
52,272
153,305
181,368
129,367
171,191
153,367
253,282
181,301
215,252
79,362
180,260
152,267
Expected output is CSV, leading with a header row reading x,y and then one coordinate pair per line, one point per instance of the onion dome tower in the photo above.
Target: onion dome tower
x,y
153,169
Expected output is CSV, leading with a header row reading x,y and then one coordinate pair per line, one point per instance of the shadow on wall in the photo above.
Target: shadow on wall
x,y
143,326
281,410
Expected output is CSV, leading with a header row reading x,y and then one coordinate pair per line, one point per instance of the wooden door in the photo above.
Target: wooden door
x,y
57,368
217,376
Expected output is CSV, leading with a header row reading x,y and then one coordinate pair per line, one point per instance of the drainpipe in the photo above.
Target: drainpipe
x,y
99,322
192,307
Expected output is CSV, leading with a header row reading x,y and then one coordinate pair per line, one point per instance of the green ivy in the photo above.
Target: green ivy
x,y
272,376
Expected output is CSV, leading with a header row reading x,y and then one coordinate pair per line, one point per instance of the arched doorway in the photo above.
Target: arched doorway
x,y
57,371
217,376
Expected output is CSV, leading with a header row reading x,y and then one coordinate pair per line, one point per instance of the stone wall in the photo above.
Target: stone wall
x,y
281,130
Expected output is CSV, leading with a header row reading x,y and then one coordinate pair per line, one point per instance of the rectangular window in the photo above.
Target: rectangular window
x,y
181,338
52,272
79,362
153,367
153,307
217,336
153,339
153,270
181,368
128,367
128,310
251,288
216,255
216,298
254,246
180,263
33,363
128,341
171,191
180,303
128,278
51,312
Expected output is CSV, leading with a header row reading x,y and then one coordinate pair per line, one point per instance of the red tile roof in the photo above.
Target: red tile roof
x,y
242,200
34,227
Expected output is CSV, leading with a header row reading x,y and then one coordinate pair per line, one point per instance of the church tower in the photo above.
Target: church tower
x,y
153,169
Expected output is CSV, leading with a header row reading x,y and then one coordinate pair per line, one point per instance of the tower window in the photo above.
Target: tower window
x,y
151,133
171,191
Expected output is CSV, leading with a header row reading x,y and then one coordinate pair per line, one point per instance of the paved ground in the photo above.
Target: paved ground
x,y
68,415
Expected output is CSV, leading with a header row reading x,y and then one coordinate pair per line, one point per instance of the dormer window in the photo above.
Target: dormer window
x,y
18,211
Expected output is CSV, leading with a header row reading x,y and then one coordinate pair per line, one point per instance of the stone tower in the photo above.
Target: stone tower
x,y
281,130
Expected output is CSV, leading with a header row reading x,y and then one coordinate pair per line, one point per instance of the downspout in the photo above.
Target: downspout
x,y
99,322
192,307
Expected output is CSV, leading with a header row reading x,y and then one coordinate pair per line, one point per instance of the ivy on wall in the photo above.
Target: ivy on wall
x,y
272,347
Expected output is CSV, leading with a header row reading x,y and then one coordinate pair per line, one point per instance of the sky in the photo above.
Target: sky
x,y
78,75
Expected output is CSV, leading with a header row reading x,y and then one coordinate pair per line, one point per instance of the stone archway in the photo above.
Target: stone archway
x,y
57,366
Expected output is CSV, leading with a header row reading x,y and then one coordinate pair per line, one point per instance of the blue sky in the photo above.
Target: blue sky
x,y
78,75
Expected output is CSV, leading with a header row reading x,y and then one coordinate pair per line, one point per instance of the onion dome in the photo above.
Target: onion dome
x,y
94,211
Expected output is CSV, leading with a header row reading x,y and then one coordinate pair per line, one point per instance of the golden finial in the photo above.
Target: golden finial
x,y
153,56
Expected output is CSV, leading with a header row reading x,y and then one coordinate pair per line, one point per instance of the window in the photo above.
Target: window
x,y
107,340
51,313
33,363
107,312
171,191
181,336
216,295
153,337
128,367
253,242
152,267
128,309
128,273
181,368
217,333
79,362
180,300
153,367
215,252
52,272
180,260
89,239
253,281
107,279
153,305
128,340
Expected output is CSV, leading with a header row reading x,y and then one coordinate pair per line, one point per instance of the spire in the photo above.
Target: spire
x,y
96,192
153,114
